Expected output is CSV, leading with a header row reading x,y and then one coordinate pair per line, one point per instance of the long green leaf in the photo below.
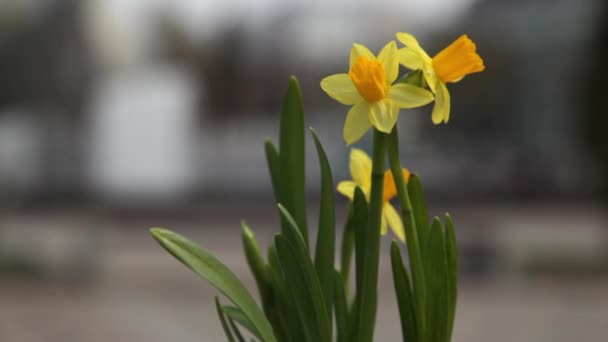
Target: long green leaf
x,y
236,330
348,243
238,316
341,308
302,278
305,291
326,237
452,263
256,261
292,157
289,326
274,165
421,216
438,285
292,233
222,318
405,299
210,268
261,273
360,221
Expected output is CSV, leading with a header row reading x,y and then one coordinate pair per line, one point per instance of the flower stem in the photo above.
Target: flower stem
x,y
368,294
411,233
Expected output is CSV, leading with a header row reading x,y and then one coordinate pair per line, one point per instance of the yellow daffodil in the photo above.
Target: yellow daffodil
x,y
368,87
449,65
361,172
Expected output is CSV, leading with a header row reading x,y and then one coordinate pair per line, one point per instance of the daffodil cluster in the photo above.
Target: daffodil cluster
x,y
370,88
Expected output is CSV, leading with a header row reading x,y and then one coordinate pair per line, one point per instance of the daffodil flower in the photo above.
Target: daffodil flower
x,y
368,87
361,172
449,65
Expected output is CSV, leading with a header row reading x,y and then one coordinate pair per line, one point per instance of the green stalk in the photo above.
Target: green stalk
x,y
411,233
368,293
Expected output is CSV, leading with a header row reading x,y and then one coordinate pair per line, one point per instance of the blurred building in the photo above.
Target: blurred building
x,y
149,100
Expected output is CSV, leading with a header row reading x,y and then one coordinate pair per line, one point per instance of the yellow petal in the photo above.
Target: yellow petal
x,y
412,43
430,77
410,58
347,188
409,96
357,122
457,60
341,88
384,115
394,220
357,51
441,110
390,188
361,169
389,58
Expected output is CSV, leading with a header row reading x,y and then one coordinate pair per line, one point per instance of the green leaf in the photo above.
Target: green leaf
x,y
438,285
292,157
222,318
236,330
289,326
305,291
348,243
238,316
452,263
421,216
405,299
341,308
326,237
360,219
303,280
292,233
274,165
210,268
261,273
255,261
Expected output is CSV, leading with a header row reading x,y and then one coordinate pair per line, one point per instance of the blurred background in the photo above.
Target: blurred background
x,y
116,116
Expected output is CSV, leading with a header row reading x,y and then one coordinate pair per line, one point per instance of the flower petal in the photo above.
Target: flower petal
x,y
357,122
394,220
410,58
361,169
441,110
384,115
341,88
347,188
359,50
411,42
389,58
390,188
431,78
409,96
